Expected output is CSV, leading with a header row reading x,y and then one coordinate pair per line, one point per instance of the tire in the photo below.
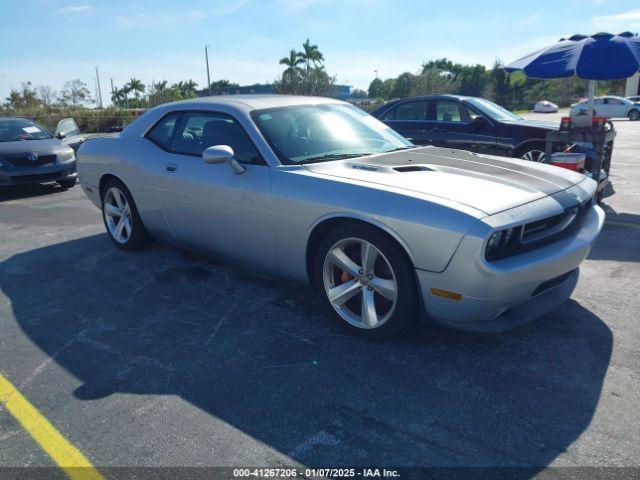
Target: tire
x,y
121,217
66,184
634,115
387,286
533,152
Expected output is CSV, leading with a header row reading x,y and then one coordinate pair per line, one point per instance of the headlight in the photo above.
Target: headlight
x,y
499,243
66,155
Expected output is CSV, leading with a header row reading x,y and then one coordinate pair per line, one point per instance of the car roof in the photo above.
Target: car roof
x,y
255,101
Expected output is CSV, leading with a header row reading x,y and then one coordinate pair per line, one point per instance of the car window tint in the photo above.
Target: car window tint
x,y
450,111
411,111
200,130
162,133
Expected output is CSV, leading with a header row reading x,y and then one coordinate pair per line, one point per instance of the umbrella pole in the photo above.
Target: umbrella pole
x,y
592,93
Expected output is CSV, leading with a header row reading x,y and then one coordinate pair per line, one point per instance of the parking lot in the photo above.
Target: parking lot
x,y
161,358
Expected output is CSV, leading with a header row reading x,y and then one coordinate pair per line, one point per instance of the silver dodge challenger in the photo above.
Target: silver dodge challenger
x,y
316,190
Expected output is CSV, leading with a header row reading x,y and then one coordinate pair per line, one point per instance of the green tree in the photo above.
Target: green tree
x,y
499,88
224,84
311,55
312,80
292,62
75,94
136,86
376,88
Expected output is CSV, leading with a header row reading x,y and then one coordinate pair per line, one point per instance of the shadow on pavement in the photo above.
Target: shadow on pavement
x,y
17,192
259,354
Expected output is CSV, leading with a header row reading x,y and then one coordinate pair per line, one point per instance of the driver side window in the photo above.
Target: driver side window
x,y
197,131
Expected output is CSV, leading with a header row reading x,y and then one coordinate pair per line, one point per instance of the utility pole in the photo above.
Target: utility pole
x,y
99,90
206,56
376,73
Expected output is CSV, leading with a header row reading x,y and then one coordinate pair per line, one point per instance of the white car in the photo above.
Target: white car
x,y
608,106
545,106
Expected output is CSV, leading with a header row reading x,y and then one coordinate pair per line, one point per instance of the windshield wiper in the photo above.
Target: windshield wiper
x,y
335,156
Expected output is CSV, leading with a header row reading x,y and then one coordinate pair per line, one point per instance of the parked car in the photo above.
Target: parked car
x,y
69,132
468,123
29,153
608,106
634,98
319,191
545,106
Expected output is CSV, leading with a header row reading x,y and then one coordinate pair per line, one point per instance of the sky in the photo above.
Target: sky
x,y
49,42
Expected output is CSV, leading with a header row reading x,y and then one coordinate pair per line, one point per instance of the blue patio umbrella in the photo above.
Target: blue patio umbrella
x,y
602,56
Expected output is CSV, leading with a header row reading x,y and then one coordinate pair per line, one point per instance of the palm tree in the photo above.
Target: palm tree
x,y
119,97
136,86
292,61
160,86
189,89
311,54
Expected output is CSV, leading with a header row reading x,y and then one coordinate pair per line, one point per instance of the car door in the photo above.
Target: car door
x,y
409,119
456,126
616,108
209,206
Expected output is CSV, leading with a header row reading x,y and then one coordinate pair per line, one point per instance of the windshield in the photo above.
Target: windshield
x,y
315,133
16,129
493,110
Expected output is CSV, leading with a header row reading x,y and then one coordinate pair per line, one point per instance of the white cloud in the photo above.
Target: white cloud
x,y
624,20
193,15
73,9
532,18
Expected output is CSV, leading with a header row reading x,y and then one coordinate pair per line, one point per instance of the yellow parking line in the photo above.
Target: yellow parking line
x,y
63,453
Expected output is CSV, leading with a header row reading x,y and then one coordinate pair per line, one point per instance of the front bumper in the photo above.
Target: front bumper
x,y
506,293
40,174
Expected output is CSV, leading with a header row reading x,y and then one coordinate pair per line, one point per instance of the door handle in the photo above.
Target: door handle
x,y
170,167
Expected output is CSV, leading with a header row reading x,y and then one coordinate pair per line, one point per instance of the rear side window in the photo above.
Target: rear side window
x,y
162,132
408,111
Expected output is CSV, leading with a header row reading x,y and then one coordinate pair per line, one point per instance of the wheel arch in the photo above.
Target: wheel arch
x,y
324,225
106,177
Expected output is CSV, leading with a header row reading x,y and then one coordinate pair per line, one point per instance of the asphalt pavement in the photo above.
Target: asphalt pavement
x,y
162,358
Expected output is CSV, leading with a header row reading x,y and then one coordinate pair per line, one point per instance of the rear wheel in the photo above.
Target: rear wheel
x,y
366,281
634,115
121,217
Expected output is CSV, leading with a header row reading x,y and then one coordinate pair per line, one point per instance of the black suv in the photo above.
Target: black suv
x,y
467,123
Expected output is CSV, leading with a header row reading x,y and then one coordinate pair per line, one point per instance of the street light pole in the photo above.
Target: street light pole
x,y
206,56
99,90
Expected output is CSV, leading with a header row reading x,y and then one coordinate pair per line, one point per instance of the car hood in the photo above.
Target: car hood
x,y
48,145
486,183
542,125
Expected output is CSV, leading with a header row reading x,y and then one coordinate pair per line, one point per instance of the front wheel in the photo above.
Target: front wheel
x,y
634,115
533,153
366,281
121,217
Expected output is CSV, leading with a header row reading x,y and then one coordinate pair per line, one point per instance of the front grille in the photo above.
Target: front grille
x,y
24,160
543,232
40,177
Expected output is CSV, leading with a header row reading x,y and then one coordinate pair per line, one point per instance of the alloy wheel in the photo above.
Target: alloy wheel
x,y
360,283
534,156
117,214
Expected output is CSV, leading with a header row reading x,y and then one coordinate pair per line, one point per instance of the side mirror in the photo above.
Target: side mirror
x,y
60,135
479,121
222,154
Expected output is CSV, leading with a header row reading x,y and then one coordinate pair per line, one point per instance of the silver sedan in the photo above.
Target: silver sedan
x,y
318,191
